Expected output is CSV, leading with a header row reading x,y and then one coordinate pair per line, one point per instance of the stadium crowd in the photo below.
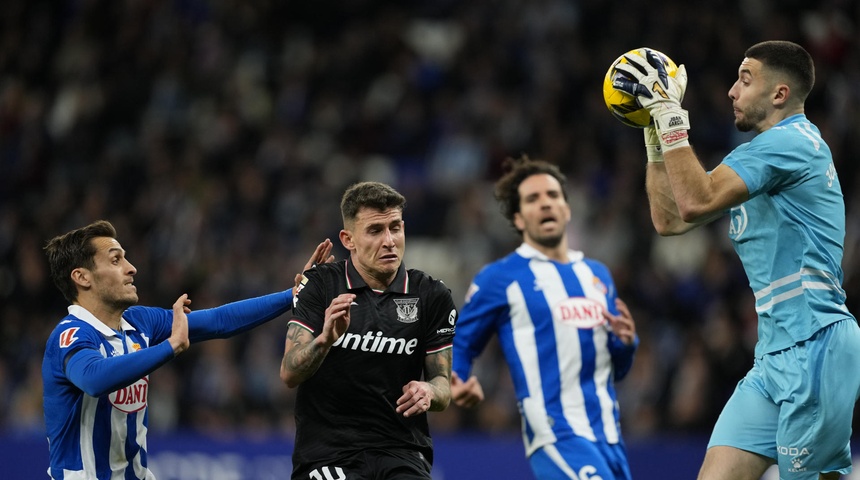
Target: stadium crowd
x,y
218,136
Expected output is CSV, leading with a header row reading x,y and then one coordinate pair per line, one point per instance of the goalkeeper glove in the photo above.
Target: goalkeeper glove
x,y
652,145
659,93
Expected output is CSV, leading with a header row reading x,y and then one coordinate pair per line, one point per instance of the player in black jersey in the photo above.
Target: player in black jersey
x,y
369,348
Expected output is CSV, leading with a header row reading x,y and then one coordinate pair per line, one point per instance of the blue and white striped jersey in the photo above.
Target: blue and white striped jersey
x,y
789,234
96,381
561,354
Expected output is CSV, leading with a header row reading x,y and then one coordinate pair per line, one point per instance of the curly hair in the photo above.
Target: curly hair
x,y
516,171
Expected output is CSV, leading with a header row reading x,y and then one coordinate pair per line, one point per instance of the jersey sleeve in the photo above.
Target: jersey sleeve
x,y
237,317
68,338
765,164
309,302
97,375
484,306
443,318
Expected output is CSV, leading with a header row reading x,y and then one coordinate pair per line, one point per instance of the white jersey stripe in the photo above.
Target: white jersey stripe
x,y
526,346
568,351
89,406
603,360
794,277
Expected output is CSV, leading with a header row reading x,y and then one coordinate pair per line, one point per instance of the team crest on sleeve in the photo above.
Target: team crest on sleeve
x,y
407,309
67,338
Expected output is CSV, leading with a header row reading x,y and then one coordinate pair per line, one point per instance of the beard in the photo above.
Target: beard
x,y
752,116
548,241
120,302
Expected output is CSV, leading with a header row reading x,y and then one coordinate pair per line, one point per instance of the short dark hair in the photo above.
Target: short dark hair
x,y
517,170
788,59
73,250
376,195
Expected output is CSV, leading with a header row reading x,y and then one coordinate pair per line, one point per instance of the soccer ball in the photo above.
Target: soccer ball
x,y
623,106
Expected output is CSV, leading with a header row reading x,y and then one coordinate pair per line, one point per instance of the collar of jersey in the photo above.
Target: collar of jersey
x,y
527,251
399,285
84,315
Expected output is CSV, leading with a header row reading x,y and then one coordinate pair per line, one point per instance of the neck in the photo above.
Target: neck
x,y
778,116
376,283
557,253
110,316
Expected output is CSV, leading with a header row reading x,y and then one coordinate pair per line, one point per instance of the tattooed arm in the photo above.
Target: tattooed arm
x,y
303,354
433,394
437,367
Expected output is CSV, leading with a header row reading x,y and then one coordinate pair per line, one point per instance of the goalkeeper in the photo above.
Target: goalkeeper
x,y
795,406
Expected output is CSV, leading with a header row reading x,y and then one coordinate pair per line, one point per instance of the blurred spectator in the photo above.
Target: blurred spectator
x,y
216,134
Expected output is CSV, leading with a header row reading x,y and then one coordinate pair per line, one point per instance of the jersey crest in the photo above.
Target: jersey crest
x,y
407,309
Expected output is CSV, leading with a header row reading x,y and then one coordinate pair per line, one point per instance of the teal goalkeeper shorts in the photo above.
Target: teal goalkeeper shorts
x,y
795,405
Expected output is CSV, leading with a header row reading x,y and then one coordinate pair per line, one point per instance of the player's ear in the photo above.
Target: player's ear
x,y
346,240
81,277
519,222
781,94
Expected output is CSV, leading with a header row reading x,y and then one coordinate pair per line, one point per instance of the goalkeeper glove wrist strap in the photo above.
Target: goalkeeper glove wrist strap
x,y
655,153
672,125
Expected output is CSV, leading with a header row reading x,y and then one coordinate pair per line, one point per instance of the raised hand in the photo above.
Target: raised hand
x,y
653,86
622,324
179,339
322,254
658,92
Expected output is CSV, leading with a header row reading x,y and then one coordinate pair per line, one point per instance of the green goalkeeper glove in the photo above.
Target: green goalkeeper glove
x,y
659,93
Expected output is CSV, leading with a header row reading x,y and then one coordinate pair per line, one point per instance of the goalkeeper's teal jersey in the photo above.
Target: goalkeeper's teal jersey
x,y
789,234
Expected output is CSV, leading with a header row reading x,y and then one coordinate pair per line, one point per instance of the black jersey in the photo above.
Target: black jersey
x,y
349,404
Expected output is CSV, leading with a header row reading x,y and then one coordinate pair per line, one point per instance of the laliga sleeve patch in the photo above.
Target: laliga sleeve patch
x,y
67,338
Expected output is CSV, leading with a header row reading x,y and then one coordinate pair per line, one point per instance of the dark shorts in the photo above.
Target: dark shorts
x,y
369,465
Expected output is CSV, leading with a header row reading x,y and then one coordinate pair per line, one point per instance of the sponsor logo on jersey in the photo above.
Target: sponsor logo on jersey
x,y
131,398
376,342
407,309
67,338
738,222
579,312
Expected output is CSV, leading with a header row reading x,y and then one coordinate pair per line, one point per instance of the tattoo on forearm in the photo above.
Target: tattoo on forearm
x,y
302,356
437,371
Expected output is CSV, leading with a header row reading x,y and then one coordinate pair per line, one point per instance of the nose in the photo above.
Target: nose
x,y
388,238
